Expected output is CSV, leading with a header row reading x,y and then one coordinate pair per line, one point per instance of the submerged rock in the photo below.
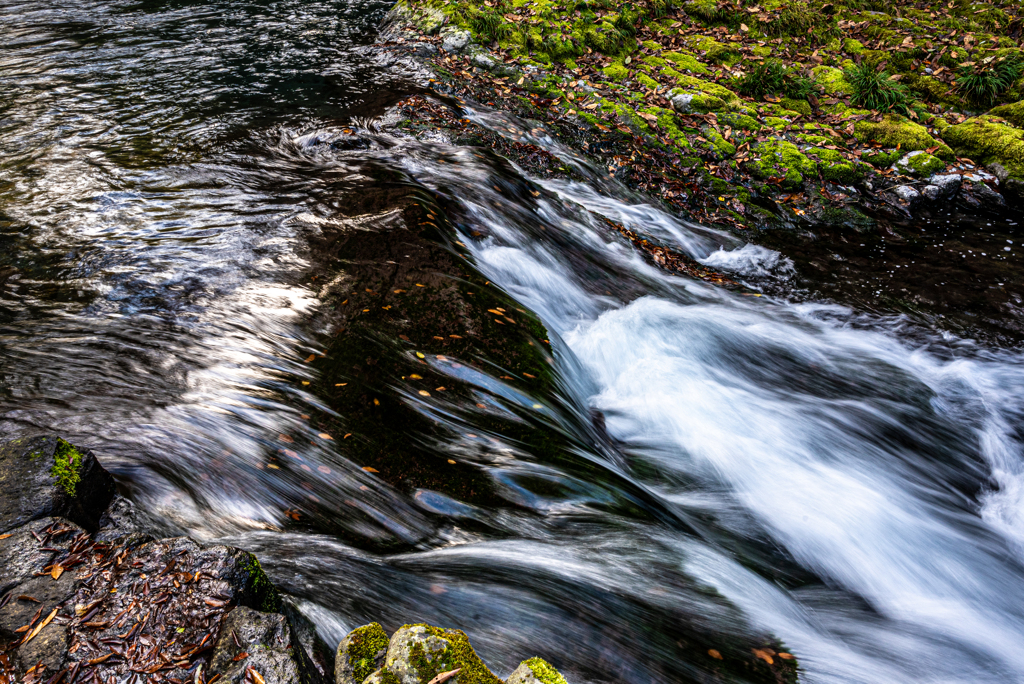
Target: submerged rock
x,y
46,476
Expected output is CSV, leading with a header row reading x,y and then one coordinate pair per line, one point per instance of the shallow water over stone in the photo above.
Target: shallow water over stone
x,y
199,258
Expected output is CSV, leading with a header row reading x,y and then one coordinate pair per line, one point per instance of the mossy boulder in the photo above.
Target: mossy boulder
x,y
798,106
781,159
264,642
418,653
48,476
360,653
920,164
1013,113
835,167
899,132
989,139
535,671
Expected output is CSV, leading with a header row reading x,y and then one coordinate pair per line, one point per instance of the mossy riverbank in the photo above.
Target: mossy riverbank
x,y
755,116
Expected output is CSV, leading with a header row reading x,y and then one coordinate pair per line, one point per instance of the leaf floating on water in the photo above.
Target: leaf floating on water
x,y
443,677
763,655
420,355
347,435
538,406
424,393
324,435
529,376
418,285
450,461
285,438
324,469
415,377
340,384
310,358
714,654
370,470
787,656
439,389
376,402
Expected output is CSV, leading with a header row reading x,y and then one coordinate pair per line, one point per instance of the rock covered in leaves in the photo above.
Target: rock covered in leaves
x,y
423,654
119,605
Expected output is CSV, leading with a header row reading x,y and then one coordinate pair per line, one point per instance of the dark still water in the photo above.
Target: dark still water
x,y
187,207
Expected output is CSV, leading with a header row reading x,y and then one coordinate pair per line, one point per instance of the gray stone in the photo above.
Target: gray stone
x,y
119,521
48,594
999,171
30,490
484,61
321,656
907,193
932,192
268,642
22,554
454,40
948,184
683,103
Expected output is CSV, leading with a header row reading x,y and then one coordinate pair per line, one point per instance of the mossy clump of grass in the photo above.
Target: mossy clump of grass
x,y
983,82
67,464
877,89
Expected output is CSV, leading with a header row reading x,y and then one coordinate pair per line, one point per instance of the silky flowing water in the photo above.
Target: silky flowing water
x,y
849,482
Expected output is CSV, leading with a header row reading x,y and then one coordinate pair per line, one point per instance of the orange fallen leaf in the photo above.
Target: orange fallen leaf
x,y
57,571
5,536
714,654
35,631
451,461
370,470
415,377
310,358
787,656
424,393
324,435
763,655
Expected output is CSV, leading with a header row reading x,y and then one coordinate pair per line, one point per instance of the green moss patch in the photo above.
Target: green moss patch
x,y
67,464
543,671
364,644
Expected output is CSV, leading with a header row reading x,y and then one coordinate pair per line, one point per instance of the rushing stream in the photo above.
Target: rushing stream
x,y
850,483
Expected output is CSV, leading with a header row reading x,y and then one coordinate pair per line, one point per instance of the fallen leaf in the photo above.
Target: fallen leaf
x,y
443,677
787,656
256,676
57,571
414,376
5,536
714,654
370,470
324,435
241,656
45,622
310,358
340,384
424,393
763,655
450,461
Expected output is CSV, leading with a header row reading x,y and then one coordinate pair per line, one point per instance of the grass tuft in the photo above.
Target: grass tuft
x,y
982,83
874,89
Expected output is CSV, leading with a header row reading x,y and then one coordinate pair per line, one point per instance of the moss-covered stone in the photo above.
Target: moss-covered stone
x,y
836,168
989,139
535,671
920,164
1013,113
882,160
418,653
799,106
357,653
899,132
782,159
685,62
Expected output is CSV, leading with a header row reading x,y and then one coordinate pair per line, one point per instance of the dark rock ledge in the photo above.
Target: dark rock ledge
x,y
87,596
